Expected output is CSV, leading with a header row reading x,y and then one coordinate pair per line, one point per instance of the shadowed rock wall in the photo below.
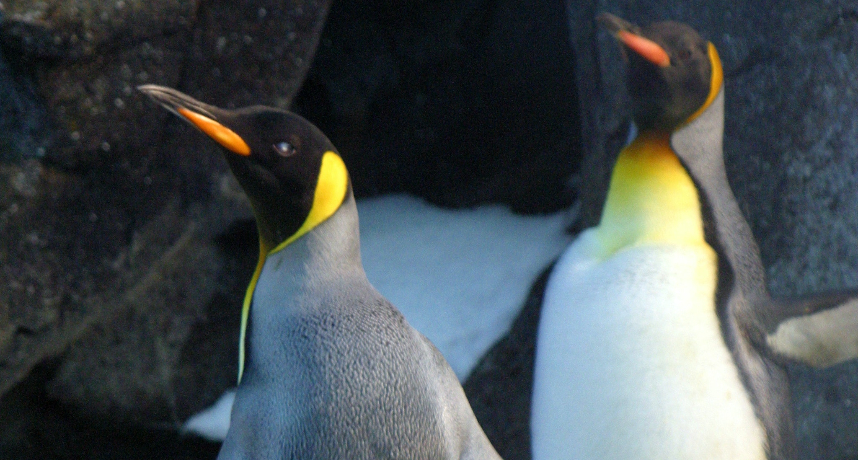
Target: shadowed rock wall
x,y
113,258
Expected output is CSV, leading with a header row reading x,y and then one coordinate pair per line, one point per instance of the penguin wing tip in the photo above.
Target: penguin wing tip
x,y
821,339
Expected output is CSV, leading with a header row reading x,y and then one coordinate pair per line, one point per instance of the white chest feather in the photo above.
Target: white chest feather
x,y
631,363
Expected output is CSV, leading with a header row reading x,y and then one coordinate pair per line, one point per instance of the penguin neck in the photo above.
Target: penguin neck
x,y
651,198
329,250
729,233
300,278
726,229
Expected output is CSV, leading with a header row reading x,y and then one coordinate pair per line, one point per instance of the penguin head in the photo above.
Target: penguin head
x,y
290,171
673,72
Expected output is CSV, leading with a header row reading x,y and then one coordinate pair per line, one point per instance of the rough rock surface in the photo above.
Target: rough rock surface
x,y
116,249
791,149
229,63
23,122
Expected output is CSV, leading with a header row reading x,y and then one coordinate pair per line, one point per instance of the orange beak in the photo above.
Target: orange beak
x,y
202,116
645,47
626,33
220,133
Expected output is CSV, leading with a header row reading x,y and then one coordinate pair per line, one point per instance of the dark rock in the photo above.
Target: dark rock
x,y
85,58
34,428
125,366
23,121
825,402
195,304
76,30
111,246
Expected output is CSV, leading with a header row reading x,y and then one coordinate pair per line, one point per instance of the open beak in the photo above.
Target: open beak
x,y
629,35
199,114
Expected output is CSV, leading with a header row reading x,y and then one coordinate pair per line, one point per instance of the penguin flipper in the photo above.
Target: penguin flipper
x,y
818,330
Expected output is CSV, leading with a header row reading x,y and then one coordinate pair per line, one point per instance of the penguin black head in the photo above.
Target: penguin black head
x,y
290,171
671,71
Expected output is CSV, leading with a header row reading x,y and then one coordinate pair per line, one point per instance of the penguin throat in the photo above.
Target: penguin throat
x,y
651,198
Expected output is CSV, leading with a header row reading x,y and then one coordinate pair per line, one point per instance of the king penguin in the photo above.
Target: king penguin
x,y
658,338
328,368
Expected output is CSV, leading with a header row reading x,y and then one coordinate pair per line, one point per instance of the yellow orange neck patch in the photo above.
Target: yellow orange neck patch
x,y
651,198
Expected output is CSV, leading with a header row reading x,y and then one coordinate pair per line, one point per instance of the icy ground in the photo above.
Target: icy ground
x,y
459,276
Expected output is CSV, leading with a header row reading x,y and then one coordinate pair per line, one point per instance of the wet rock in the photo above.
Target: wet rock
x,y
79,29
34,427
195,303
85,58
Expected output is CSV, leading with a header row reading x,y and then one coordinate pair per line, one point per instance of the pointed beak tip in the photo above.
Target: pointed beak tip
x,y
612,23
629,35
154,92
197,114
146,89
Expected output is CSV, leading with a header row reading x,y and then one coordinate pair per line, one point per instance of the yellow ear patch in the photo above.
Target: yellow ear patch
x,y
330,193
220,133
717,81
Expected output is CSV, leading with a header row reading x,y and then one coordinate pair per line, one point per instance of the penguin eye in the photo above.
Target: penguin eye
x,y
284,149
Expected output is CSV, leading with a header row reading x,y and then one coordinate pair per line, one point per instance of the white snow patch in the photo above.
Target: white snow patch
x,y
459,276
212,423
